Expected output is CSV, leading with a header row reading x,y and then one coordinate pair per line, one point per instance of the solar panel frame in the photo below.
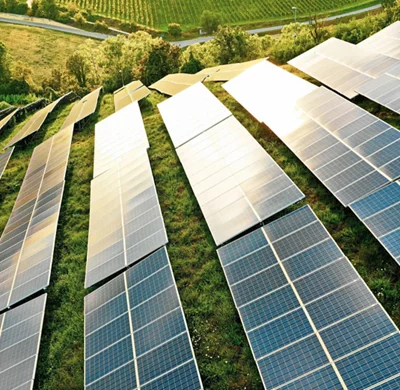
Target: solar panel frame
x,y
174,83
5,120
4,160
23,314
286,245
130,95
142,286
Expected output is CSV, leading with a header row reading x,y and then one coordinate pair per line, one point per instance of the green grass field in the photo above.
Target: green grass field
x,y
221,348
158,13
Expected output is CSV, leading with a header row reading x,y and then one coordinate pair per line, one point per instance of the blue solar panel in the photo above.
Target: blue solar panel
x,y
380,213
304,307
135,332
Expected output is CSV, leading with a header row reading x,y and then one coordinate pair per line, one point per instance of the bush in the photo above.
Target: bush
x,y
72,9
80,20
100,26
175,29
63,17
210,21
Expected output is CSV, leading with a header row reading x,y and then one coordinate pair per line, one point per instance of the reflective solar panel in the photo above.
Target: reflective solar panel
x,y
4,159
82,109
311,321
136,334
20,333
7,119
236,183
116,135
27,242
191,112
177,82
126,223
380,213
132,92
331,136
35,122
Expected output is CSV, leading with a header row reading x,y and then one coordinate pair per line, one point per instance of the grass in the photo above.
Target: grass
x,y
41,49
157,14
220,345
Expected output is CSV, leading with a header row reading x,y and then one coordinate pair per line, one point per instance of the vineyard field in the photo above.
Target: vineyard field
x,y
158,13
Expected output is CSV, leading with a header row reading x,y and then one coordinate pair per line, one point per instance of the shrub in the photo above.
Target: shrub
x,y
210,21
80,20
100,26
175,29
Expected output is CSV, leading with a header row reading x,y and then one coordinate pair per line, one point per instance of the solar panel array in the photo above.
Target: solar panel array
x,y
126,223
20,333
191,112
27,242
132,92
236,183
116,135
380,213
351,151
136,334
177,82
35,122
310,319
82,109
384,90
4,159
7,119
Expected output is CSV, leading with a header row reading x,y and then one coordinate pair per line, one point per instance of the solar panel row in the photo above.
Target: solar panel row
x,y
7,119
132,92
126,223
20,332
116,135
310,319
82,109
4,159
136,334
35,123
27,242
175,83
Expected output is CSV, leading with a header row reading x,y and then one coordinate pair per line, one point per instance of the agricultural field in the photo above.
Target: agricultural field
x,y
158,13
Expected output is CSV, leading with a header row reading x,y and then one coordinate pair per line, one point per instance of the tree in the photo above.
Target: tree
x,y
209,21
163,59
49,9
78,67
175,29
317,29
193,65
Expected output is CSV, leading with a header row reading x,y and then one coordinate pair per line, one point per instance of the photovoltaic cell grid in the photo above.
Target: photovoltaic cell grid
x,y
384,90
374,140
126,223
132,92
331,136
35,123
380,213
27,242
4,159
386,41
236,183
82,109
118,134
7,119
177,82
310,319
136,334
20,332
191,112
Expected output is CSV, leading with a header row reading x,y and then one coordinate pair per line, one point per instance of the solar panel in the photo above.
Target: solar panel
x,y
126,223
82,109
7,119
331,136
116,135
374,140
384,90
20,333
236,183
136,334
132,92
310,319
177,82
380,213
27,242
35,122
4,159
191,112
386,41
